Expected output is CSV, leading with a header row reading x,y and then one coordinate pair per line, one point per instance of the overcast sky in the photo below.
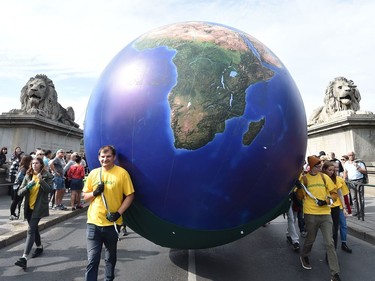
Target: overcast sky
x,y
73,41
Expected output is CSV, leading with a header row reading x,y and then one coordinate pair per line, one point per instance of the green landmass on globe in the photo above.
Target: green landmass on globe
x,y
215,66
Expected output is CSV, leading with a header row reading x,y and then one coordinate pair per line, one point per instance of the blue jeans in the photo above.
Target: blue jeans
x,y
59,183
343,227
96,237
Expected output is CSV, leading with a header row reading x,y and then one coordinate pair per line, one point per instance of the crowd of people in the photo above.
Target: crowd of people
x,y
63,167
39,181
321,201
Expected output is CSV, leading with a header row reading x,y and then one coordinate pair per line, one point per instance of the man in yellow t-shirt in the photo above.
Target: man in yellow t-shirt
x,y
317,212
110,192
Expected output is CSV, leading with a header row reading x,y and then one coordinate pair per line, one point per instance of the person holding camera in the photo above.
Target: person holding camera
x,y
318,192
110,192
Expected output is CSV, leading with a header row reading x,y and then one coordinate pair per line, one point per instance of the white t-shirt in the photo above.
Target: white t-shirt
x,y
353,173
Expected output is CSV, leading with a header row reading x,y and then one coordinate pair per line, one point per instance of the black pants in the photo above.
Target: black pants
x,y
335,214
16,201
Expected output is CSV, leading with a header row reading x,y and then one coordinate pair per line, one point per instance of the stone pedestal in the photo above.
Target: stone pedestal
x,y
34,131
342,134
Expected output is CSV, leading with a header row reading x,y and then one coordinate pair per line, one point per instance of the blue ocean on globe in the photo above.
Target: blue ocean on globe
x,y
209,124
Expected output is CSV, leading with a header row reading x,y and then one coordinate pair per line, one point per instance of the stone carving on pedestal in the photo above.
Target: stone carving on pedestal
x,y
39,97
341,98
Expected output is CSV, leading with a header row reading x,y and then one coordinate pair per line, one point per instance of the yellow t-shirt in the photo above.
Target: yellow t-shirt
x,y
340,184
315,185
34,192
344,187
117,185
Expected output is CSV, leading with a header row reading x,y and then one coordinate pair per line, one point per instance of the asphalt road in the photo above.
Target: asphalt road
x,y
263,255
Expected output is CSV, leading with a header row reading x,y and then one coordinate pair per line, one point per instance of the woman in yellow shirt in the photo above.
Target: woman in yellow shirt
x,y
35,187
329,168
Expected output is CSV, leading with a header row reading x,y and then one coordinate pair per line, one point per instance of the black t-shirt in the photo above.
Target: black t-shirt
x,y
341,168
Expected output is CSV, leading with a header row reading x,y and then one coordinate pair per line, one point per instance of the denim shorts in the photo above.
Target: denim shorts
x,y
59,183
76,184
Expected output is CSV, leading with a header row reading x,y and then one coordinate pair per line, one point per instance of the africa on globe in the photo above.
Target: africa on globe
x,y
209,124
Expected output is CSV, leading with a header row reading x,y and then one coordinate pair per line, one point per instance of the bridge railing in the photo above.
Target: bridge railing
x,y
359,197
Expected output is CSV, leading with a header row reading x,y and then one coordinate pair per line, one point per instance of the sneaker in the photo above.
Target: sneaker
x,y
289,239
13,217
62,207
125,232
296,247
21,262
55,207
37,252
336,277
345,248
305,262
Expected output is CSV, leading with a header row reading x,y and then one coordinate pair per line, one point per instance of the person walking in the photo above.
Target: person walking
x,y
344,212
105,189
35,187
316,190
337,208
291,231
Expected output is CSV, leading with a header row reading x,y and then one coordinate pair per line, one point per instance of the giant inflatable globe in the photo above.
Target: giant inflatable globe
x,y
210,126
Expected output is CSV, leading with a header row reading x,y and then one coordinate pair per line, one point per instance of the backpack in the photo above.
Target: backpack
x,y
19,179
365,175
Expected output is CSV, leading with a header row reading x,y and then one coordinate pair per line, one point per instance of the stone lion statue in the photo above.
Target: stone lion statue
x,y
341,98
39,96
